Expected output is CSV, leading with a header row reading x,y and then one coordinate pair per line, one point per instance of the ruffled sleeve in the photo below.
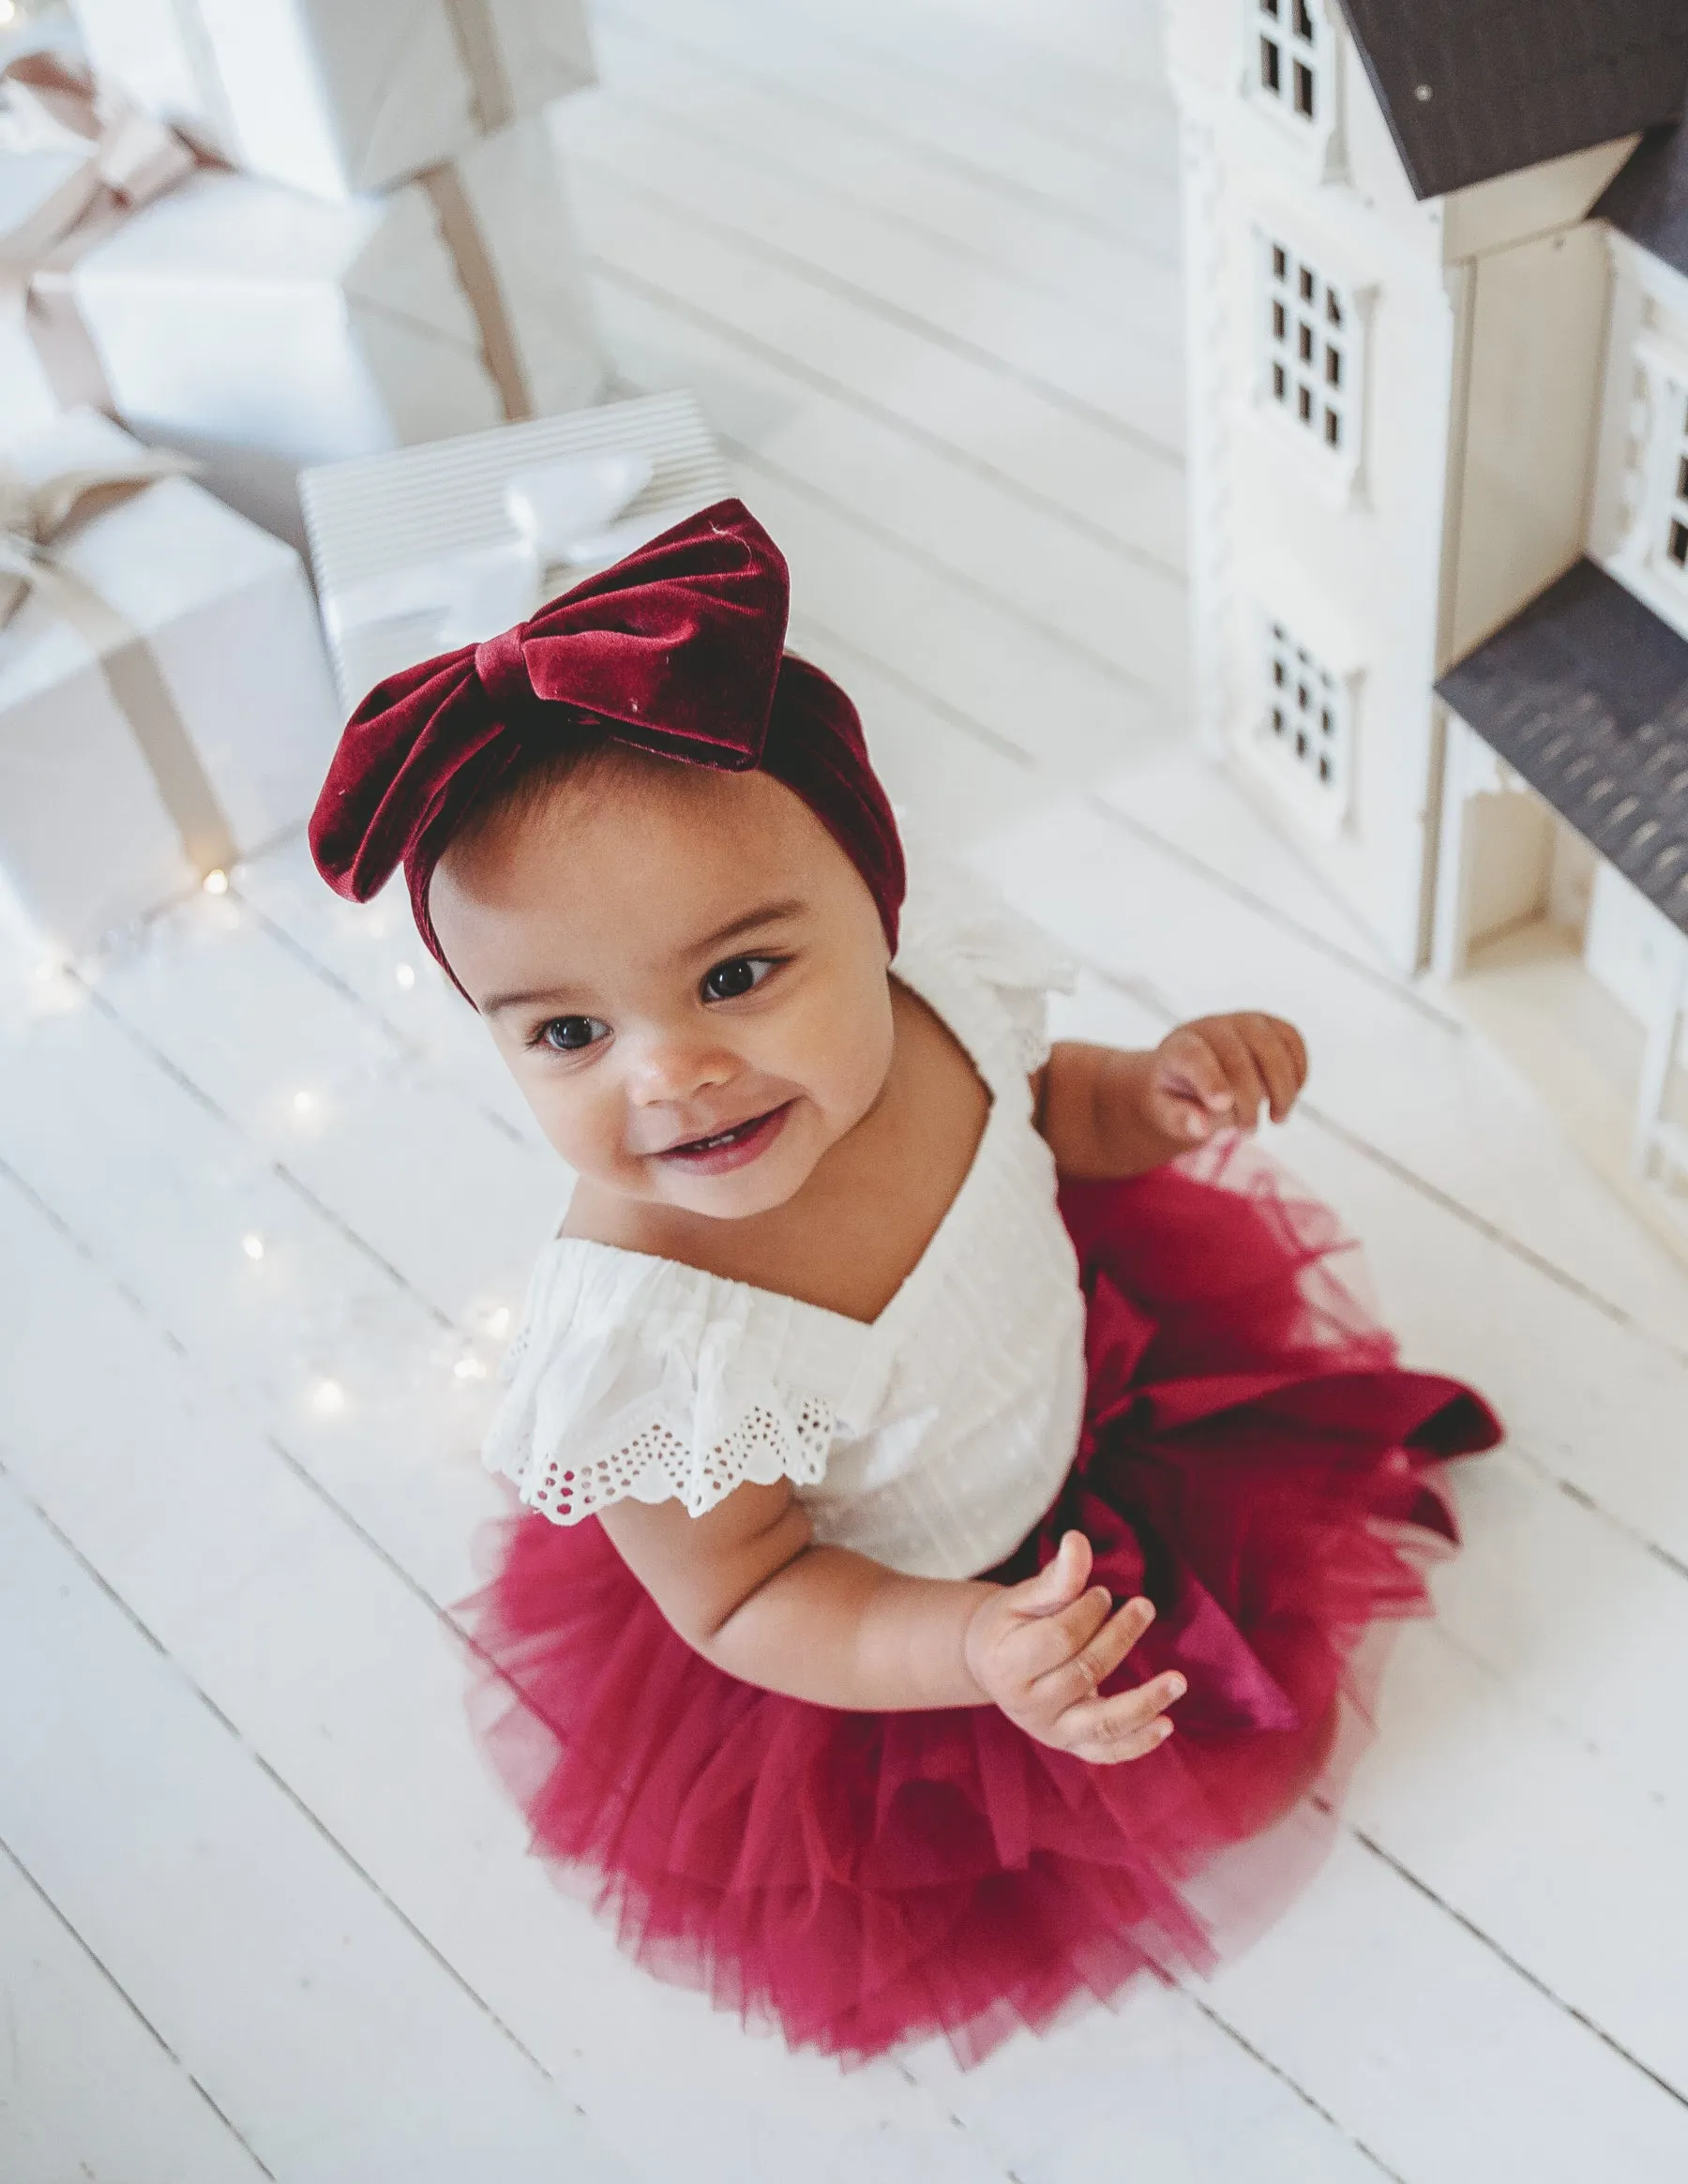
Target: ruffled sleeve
x,y
639,1378
960,941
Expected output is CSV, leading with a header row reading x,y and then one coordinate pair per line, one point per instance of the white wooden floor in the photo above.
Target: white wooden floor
x,y
265,1205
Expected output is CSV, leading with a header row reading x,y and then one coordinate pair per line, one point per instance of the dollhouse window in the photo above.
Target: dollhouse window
x,y
1311,350
1674,540
1289,57
1305,720
1640,528
1290,70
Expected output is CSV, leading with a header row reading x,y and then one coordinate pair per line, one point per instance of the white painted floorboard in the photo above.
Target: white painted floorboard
x,y
262,1909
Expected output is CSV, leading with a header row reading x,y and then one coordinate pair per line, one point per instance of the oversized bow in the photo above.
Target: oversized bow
x,y
677,649
131,160
36,522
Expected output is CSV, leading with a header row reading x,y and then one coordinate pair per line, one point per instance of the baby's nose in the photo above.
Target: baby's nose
x,y
665,1070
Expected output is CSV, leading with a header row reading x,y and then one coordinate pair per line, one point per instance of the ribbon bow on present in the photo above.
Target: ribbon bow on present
x,y
35,521
131,159
571,514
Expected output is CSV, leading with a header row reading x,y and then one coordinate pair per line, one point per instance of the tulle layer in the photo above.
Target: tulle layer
x,y
1252,1457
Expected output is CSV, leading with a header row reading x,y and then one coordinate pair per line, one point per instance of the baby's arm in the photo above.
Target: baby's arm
x,y
1106,1112
747,1586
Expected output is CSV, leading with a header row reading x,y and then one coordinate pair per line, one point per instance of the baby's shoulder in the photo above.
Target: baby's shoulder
x,y
984,970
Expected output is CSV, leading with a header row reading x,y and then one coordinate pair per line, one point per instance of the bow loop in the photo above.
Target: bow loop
x,y
52,105
34,518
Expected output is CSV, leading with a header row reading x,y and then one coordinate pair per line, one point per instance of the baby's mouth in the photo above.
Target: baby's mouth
x,y
728,1148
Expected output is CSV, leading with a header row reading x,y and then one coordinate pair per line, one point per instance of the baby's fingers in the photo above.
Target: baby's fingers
x,y
1241,1062
1105,1731
1078,1678
1045,1643
1282,1059
1112,1750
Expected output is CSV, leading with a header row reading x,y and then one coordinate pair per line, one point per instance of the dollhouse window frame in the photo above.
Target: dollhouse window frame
x,y
1293,337
1657,514
1279,714
1299,93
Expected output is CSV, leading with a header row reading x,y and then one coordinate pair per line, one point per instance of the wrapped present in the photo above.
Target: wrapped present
x,y
259,330
332,97
165,705
441,546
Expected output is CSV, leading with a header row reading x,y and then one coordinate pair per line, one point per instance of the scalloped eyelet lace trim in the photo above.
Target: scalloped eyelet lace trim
x,y
657,1464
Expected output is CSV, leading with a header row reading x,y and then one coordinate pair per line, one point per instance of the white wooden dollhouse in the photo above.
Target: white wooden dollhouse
x,y
1437,278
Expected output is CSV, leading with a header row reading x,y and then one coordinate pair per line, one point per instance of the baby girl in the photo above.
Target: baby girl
x,y
915,1419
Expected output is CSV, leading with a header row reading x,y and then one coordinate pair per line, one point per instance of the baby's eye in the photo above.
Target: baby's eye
x,y
570,1034
737,975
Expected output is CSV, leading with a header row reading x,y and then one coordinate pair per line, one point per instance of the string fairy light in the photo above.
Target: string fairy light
x,y
302,1103
406,976
498,1322
328,1399
469,1369
215,882
252,1246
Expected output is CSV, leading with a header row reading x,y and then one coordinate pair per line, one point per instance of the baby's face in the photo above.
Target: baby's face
x,y
686,975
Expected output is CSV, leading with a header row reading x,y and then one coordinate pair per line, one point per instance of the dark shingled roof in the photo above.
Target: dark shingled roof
x,y
1512,82
1647,198
1585,693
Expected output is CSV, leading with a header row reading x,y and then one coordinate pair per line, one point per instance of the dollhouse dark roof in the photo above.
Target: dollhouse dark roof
x,y
1584,693
1475,88
1649,197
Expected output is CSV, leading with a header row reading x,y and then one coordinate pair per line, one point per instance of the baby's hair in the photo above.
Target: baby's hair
x,y
539,770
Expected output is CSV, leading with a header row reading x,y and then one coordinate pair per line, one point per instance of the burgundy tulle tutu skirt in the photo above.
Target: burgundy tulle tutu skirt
x,y
1252,1457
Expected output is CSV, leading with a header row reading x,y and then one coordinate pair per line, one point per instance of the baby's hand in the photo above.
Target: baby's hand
x,y
1040,1650
1213,1075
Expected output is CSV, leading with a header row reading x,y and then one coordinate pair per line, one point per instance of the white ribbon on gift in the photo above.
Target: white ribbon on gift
x,y
36,524
127,161
562,514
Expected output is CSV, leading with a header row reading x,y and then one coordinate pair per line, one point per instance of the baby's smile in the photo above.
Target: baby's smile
x,y
724,1149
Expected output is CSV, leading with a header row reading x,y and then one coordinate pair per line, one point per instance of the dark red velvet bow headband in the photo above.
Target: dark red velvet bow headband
x,y
677,649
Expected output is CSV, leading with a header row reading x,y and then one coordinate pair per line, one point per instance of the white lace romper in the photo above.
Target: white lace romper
x,y
932,1439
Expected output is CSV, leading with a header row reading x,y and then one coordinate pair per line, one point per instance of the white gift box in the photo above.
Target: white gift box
x,y
337,96
259,330
434,546
93,806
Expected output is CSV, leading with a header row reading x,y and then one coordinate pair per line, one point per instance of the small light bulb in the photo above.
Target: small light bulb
x,y
252,1246
406,976
498,1323
216,883
328,1398
469,1369
303,1102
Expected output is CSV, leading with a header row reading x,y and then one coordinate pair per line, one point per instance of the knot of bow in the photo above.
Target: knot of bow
x,y
34,518
50,106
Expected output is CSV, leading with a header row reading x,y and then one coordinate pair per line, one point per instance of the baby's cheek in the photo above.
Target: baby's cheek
x,y
852,1069
583,1126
